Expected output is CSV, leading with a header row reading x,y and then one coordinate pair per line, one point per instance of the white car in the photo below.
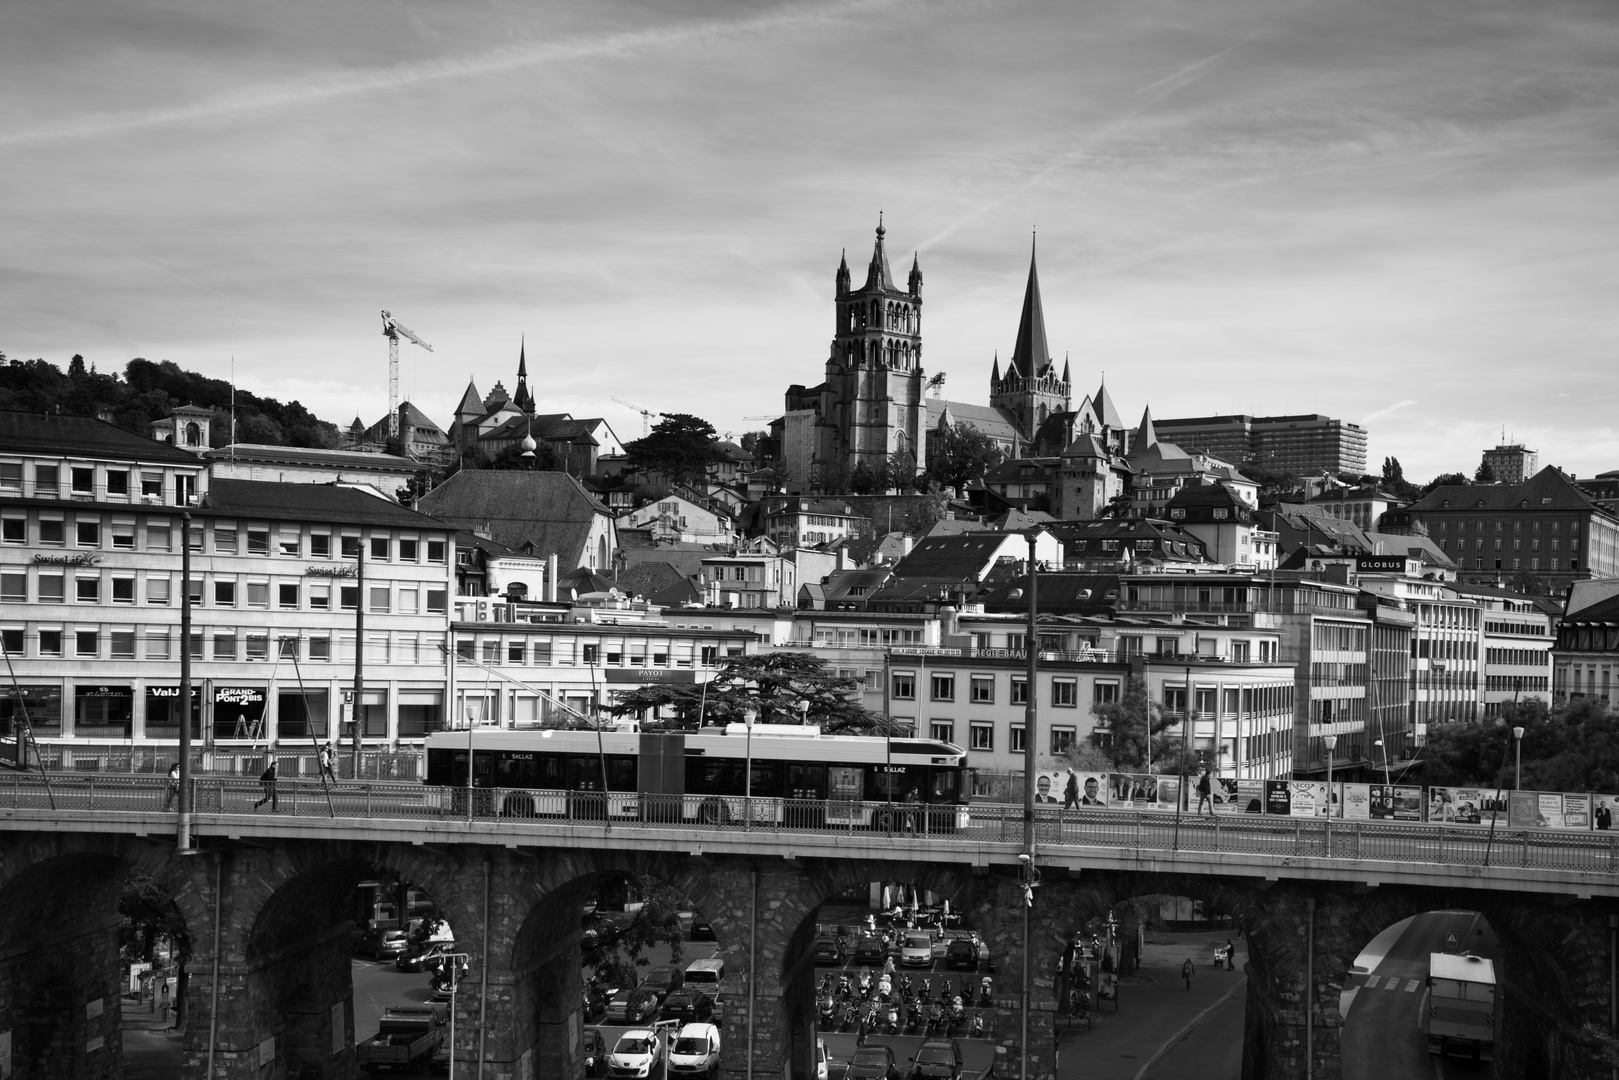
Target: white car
x,y
695,1051
636,1054
916,950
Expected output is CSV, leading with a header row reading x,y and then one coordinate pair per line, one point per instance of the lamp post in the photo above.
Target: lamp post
x,y
1379,743
1517,767
1331,743
1031,653
748,717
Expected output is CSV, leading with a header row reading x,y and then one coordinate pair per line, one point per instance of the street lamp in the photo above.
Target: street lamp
x,y
1331,743
1517,768
748,717
1379,743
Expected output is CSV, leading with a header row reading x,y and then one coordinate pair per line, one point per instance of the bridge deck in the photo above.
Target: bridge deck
x,y
980,834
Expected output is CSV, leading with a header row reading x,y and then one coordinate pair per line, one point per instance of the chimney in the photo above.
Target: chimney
x,y
551,578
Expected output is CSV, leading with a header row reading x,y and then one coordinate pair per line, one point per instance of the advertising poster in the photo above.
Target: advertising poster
x,y
1549,804
1091,788
1455,806
1577,811
1492,806
1251,796
1309,798
1357,801
1136,791
1523,810
1395,802
1048,788
1168,790
1278,798
1605,810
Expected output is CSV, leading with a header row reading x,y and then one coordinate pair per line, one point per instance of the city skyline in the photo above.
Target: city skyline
x,y
1382,214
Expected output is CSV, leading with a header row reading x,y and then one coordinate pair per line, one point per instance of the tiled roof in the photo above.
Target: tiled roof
x,y
981,418
333,503
950,557
1548,484
298,455
82,436
1601,611
548,510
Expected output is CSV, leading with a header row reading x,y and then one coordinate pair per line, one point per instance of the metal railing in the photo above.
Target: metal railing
x,y
1138,831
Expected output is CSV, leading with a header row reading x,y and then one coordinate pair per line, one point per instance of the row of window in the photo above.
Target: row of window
x,y
1481,563
1478,525
228,644
90,587
1065,693
114,482
543,652
89,531
1517,544
1517,656
1520,629
1526,684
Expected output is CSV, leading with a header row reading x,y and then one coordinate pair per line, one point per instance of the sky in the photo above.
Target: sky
x,y
1401,213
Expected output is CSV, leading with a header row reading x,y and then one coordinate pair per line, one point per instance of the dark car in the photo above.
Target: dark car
x,y
871,950
829,950
660,981
630,1007
874,1062
425,958
937,1060
687,1006
600,930
381,944
702,930
961,953
595,1053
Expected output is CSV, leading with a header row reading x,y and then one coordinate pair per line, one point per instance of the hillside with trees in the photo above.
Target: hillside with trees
x,y
148,391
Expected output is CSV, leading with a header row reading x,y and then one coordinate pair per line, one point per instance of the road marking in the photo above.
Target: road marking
x,y
1392,984
1411,986
1187,1030
1371,983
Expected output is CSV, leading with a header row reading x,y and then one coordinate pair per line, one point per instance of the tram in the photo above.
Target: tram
x,y
799,776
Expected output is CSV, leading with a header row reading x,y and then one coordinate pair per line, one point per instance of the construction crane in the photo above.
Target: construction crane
x,y
646,414
392,329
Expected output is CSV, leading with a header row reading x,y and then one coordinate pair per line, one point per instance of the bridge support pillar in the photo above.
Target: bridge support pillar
x,y
60,1002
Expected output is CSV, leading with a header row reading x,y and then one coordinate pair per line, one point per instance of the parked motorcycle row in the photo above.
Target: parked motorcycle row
x,y
883,1006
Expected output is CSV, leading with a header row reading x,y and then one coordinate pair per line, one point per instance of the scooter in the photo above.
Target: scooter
x,y
892,1027
850,1017
825,1011
906,994
845,987
935,1019
865,984
868,1022
986,992
977,1030
957,1016
885,990
913,1020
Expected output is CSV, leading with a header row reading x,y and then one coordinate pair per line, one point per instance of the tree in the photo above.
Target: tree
x,y
1393,474
619,948
1527,582
680,446
960,454
1573,747
1485,474
1129,719
1450,479
1118,506
772,685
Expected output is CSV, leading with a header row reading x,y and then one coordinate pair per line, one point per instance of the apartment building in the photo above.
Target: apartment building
x,y
1586,657
1300,444
1517,648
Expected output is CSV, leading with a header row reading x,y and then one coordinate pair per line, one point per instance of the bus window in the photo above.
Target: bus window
x,y
945,785
846,782
766,779
584,772
806,781
891,783
713,776
621,773
483,766
516,768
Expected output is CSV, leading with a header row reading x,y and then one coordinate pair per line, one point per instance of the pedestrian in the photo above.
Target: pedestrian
x,y
1230,955
1070,793
267,782
1205,787
1186,972
174,786
326,770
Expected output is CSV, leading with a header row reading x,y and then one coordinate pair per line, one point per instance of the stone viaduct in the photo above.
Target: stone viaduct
x,y
267,903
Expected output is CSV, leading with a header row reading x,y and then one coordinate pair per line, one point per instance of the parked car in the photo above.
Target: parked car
x,y
961,953
937,1060
829,950
686,1005
695,1051
873,1062
916,950
425,958
637,1054
381,944
702,930
595,1053
630,1007
600,929
871,950
661,981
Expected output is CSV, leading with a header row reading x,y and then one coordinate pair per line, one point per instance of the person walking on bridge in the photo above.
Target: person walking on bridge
x,y
267,782
1186,972
174,786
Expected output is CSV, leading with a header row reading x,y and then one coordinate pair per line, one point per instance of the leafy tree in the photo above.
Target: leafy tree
x,y
1130,719
680,446
1450,479
1118,507
959,455
1485,474
773,685
1574,747
619,948
149,914
868,479
419,484
1393,474
1529,583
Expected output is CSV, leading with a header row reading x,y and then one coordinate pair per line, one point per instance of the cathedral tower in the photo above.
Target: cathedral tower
x,y
1031,390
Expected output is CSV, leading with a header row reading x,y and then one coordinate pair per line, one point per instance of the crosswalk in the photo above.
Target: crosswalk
x,y
1393,983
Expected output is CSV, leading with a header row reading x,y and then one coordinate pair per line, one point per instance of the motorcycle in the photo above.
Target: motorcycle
x,y
927,988
825,1011
935,1019
913,1020
986,992
850,1017
845,987
865,984
868,1022
906,993
977,1030
956,1017
892,1027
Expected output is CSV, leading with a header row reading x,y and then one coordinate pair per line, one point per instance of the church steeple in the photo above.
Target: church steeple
x,y
915,282
840,285
523,399
1030,356
1030,393
995,372
878,274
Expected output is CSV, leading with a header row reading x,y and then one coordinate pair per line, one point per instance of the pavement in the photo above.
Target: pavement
x,y
152,1049
1154,1011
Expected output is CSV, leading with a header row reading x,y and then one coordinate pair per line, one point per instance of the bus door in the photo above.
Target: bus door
x,y
806,786
661,776
584,775
845,791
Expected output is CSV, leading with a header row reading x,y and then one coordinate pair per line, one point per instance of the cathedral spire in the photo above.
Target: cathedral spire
x,y
841,283
878,274
1065,379
523,399
1146,434
1030,356
995,373
915,283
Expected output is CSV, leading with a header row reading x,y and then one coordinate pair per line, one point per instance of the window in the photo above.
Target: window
x,y
47,478
942,730
320,597
320,648
52,531
123,590
157,643
348,597
379,547
904,686
490,651
287,648
224,540
193,538
11,477
11,639
123,535
84,480
225,645
50,643
514,652
944,687
157,590
87,643
436,551
437,601
1062,740
1104,693
289,544
14,530
408,551
287,595
14,587
983,689
87,533
1239,652
982,736
408,600
349,547
52,589
320,546
258,541
152,486
1015,743
224,594
1064,693
158,537
379,599
87,590
121,644
1020,690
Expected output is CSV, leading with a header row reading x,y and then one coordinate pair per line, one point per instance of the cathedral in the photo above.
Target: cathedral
x,y
873,406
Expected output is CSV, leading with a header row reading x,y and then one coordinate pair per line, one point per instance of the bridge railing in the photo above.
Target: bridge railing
x,y
1139,831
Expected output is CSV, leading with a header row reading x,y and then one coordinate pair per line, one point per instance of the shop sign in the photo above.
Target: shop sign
x,y
351,570
651,675
238,695
171,692
103,692
81,559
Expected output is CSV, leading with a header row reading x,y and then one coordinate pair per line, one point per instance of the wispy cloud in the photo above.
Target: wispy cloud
x,y
311,89
1389,410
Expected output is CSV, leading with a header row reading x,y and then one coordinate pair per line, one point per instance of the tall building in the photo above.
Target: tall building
x,y
870,405
1305,443
1511,463
1031,390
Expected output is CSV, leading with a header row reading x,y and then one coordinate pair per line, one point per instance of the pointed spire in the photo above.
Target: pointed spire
x,y
995,372
1106,414
1146,434
840,284
915,283
877,274
471,401
1066,380
523,399
1030,355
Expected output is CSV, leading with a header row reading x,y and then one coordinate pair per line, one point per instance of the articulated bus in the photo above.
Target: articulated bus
x,y
800,776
